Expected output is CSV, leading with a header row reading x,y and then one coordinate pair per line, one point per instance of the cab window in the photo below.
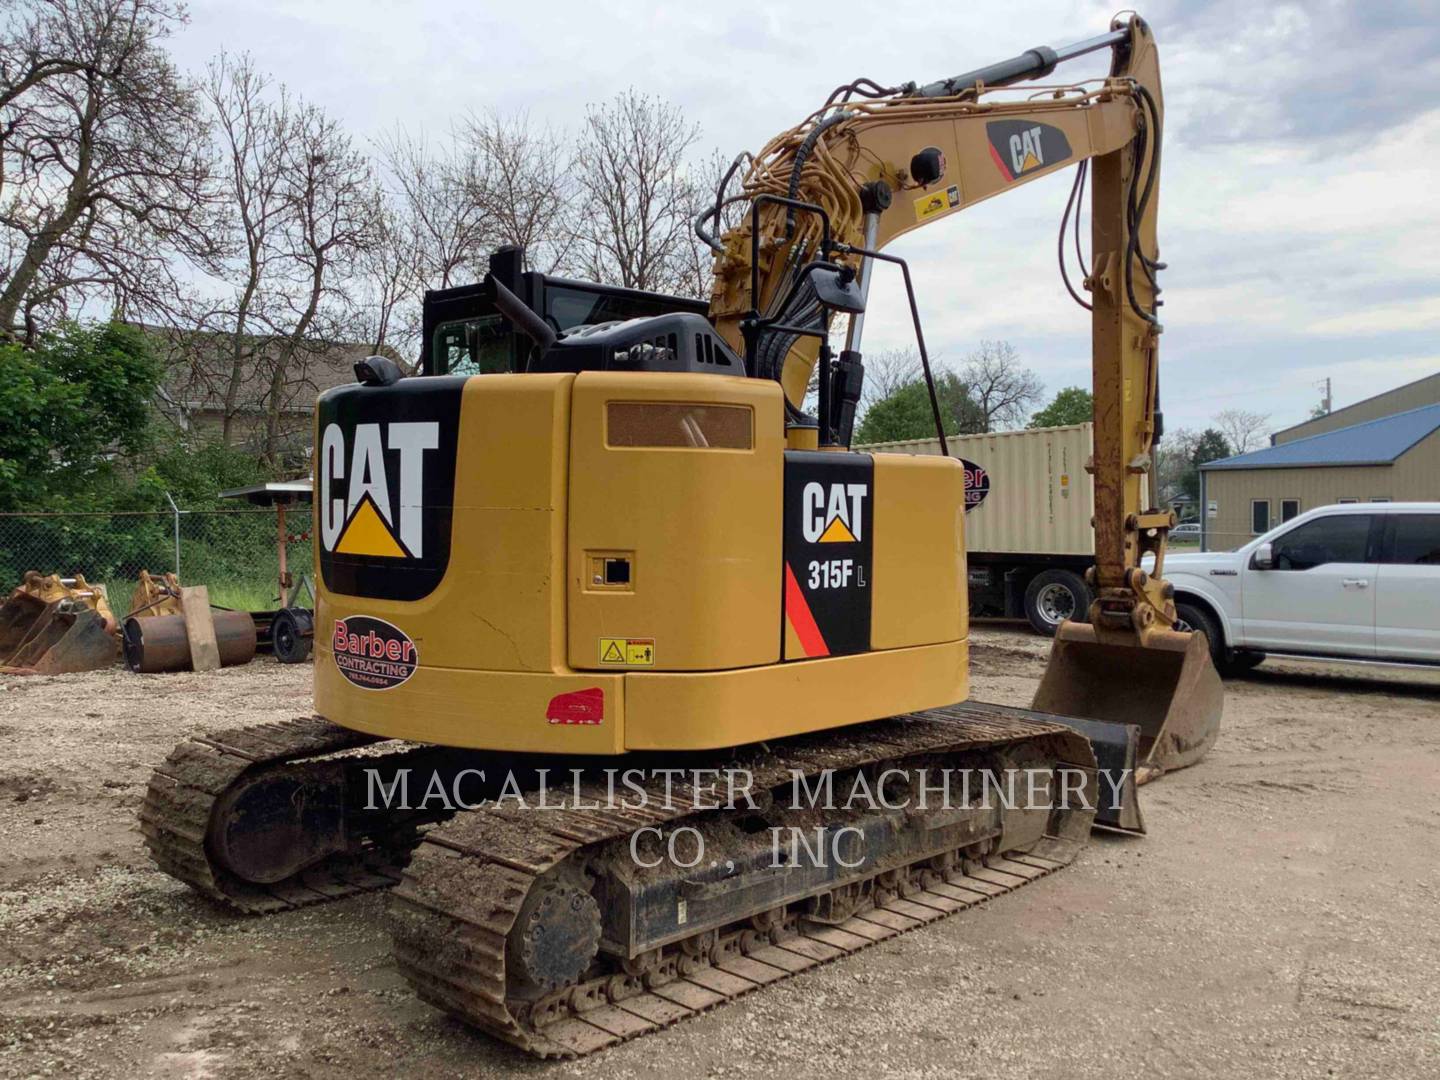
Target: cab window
x,y
1341,538
566,307
472,347
1416,540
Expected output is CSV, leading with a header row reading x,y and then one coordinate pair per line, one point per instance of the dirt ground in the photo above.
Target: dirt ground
x,y
1282,918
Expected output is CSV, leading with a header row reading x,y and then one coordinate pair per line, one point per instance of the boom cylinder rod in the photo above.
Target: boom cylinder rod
x,y
1032,64
857,321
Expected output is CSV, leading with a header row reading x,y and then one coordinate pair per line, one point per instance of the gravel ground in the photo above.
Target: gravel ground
x,y
1279,919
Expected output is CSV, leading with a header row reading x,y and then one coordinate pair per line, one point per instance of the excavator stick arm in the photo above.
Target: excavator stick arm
x,y
873,167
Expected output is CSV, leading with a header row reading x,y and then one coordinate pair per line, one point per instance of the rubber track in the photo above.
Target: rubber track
x,y
463,888
175,816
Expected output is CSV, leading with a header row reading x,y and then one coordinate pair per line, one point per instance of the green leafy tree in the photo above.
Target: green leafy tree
x,y
1073,405
905,413
68,409
1209,446
194,472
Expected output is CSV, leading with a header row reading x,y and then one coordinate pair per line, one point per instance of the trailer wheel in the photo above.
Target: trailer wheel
x,y
1054,596
291,635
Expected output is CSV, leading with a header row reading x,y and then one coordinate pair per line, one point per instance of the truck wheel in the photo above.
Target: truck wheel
x,y
1054,596
1227,661
1200,621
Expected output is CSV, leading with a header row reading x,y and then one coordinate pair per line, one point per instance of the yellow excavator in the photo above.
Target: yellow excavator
x,y
612,634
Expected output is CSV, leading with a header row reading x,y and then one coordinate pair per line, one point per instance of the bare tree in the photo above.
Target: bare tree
x,y
253,127
887,370
1242,429
637,199
385,287
1175,463
328,192
434,196
518,178
105,164
1003,390
717,191
36,46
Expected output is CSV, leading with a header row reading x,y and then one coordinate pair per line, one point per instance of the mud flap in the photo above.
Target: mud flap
x,y
1168,688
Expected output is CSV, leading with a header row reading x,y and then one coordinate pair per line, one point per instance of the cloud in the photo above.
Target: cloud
x,y
1423,314
1318,72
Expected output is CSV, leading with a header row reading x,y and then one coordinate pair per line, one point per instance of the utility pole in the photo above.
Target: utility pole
x,y
1327,395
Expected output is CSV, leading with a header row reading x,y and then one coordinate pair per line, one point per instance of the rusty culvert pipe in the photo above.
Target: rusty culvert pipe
x,y
158,642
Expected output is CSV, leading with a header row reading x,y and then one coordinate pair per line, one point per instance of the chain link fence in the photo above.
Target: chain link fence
x,y
232,552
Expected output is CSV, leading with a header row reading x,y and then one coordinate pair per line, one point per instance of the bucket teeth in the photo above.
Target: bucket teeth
x,y
51,626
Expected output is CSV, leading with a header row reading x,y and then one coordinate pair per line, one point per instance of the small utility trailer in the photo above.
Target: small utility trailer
x,y
289,630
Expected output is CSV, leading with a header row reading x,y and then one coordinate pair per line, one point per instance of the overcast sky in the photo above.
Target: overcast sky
x,y
1299,200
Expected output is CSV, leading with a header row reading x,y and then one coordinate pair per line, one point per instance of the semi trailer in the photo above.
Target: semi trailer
x,y
1028,509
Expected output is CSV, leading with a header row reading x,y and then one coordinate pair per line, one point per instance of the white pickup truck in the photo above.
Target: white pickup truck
x,y
1353,582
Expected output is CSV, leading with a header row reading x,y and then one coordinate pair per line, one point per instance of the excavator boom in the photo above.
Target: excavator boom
x,y
877,163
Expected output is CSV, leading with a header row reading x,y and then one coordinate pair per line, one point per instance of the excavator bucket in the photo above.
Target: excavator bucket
x,y
157,594
18,616
67,637
1168,688
50,626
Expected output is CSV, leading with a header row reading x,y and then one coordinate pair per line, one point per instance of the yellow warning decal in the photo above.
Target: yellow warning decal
x,y
627,652
367,534
837,532
937,202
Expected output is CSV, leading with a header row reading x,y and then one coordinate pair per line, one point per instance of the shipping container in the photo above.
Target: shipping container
x,y
1029,502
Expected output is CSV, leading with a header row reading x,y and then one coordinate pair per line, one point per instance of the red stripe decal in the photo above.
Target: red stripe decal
x,y
1000,162
797,611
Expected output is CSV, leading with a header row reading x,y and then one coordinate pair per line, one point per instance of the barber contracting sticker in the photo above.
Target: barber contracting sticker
x,y
372,654
977,484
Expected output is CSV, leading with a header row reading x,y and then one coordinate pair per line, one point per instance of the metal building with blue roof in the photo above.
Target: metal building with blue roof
x,y
1389,458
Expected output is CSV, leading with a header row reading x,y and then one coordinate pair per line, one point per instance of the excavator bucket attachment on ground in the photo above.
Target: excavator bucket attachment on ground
x,y
51,626
17,618
157,594
1168,688
67,637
